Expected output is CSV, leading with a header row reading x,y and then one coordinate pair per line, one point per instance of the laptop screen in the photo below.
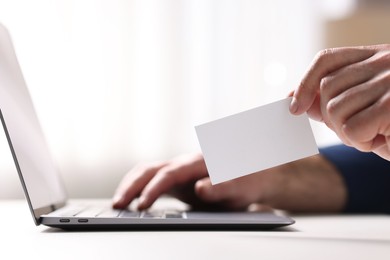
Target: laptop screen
x,y
39,175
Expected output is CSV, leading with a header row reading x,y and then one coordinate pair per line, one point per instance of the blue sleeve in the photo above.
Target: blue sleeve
x,y
367,178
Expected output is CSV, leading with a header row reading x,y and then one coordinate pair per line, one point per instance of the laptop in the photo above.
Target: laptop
x,y
45,191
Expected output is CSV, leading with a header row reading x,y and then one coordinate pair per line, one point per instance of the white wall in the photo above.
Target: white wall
x,y
115,82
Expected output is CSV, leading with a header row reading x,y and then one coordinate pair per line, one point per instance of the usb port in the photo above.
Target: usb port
x,y
64,220
82,220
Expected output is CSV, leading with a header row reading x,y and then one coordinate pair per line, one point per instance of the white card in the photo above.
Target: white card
x,y
255,140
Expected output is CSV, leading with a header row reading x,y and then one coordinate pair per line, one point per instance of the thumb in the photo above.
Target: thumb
x,y
214,193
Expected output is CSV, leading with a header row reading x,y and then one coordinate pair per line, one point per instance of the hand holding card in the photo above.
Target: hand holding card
x,y
255,140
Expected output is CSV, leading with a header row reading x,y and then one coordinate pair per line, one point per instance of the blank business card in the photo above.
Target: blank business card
x,y
255,140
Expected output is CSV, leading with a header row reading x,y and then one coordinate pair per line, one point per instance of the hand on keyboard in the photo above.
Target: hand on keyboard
x,y
298,186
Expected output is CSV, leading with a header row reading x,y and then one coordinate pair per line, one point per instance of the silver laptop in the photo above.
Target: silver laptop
x,y
45,192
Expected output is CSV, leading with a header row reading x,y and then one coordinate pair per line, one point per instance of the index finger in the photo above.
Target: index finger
x,y
324,63
134,182
179,172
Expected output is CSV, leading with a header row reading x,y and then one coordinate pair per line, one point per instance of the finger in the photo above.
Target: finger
x,y
258,207
384,149
133,183
232,195
382,145
345,78
351,102
362,128
325,62
215,193
379,142
336,87
314,111
183,171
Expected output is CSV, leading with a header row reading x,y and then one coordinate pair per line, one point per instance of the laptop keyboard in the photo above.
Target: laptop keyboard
x,y
90,212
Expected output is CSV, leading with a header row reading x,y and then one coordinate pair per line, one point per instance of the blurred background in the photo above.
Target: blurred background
x,y
117,82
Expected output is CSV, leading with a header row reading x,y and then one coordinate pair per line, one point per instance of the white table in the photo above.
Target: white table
x,y
311,237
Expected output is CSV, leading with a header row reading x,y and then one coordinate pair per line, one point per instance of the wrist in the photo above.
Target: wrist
x,y
309,185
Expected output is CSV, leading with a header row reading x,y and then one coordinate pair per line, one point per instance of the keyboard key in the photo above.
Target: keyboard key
x,y
110,213
129,214
90,212
152,214
173,214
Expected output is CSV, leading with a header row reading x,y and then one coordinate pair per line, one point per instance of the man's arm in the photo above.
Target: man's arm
x,y
312,184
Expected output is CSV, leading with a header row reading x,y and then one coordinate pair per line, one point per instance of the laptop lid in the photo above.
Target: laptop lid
x,y
39,176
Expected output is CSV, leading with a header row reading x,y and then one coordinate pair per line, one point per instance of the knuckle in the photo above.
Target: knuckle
x,y
349,131
325,83
332,107
171,174
167,172
325,52
164,175
303,86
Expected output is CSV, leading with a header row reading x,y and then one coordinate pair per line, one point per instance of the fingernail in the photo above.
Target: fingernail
x,y
294,105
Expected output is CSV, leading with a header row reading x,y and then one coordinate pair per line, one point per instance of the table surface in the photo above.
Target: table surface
x,y
311,237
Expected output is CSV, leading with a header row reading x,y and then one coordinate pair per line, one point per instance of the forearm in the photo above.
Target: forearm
x,y
366,176
309,185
